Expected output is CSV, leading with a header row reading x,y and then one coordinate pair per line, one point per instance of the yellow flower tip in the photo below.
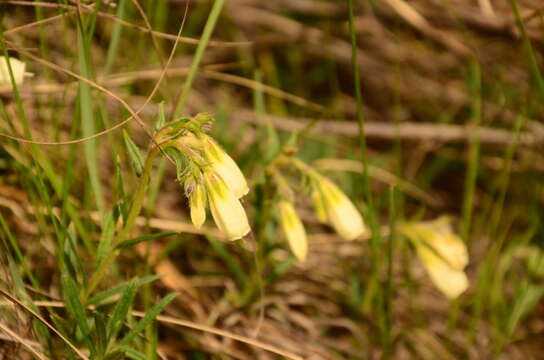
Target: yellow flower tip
x,y
197,204
227,211
17,67
450,281
319,205
448,246
442,252
294,230
225,166
341,212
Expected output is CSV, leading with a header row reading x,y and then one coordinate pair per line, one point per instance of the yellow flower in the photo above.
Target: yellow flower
x,y
294,230
227,212
319,205
17,67
223,165
443,254
197,203
341,212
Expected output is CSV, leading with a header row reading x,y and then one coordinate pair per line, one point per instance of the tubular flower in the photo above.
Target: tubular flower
x,y
17,67
319,205
227,212
197,204
294,230
341,212
223,165
443,254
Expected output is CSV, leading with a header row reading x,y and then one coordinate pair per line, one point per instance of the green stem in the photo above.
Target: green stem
x,y
125,232
373,221
204,39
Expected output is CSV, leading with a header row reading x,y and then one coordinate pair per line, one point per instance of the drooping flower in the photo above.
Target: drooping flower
x,y
225,166
17,67
341,212
294,230
197,203
319,205
443,254
227,211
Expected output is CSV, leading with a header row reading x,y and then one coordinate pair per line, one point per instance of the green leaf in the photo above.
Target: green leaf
x,y
119,187
162,117
101,297
120,311
115,355
74,306
100,335
148,318
134,154
108,230
140,239
133,353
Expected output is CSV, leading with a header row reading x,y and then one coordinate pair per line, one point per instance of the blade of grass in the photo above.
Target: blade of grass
x,y
115,37
88,123
202,44
105,295
150,315
121,311
371,213
533,62
474,149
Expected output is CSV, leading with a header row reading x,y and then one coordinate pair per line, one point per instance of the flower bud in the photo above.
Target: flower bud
x,y
341,212
294,230
197,203
319,205
442,252
17,67
227,212
223,165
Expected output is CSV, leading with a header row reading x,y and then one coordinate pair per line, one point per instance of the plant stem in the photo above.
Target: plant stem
x,y
126,230
371,213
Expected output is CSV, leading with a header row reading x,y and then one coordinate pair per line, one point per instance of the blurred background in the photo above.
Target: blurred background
x,y
448,123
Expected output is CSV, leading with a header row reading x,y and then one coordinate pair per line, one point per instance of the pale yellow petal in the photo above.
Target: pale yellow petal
x,y
319,205
294,230
341,212
439,235
226,167
18,68
197,203
452,282
227,211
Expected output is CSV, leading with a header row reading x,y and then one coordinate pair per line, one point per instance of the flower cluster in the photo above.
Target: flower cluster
x,y
331,206
210,177
443,254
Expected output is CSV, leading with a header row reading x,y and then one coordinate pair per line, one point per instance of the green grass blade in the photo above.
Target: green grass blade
x,y
134,154
121,310
88,123
148,318
204,39
107,294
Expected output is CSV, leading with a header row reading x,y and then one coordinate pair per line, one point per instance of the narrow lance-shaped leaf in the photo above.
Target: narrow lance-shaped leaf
x,y
148,318
134,154
120,311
